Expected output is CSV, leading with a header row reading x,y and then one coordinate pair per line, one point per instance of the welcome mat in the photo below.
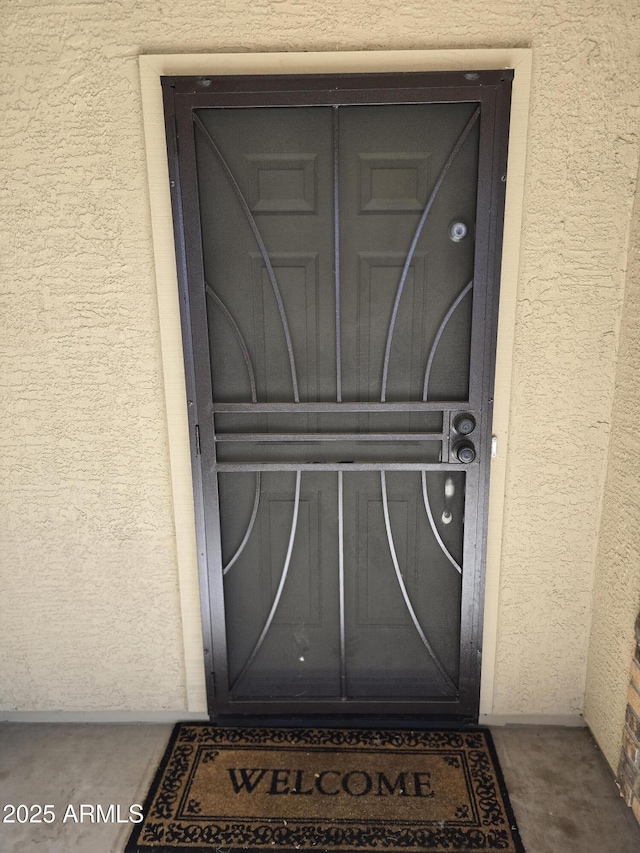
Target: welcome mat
x,y
258,789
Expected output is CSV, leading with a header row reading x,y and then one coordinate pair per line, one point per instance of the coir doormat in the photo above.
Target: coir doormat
x,y
256,789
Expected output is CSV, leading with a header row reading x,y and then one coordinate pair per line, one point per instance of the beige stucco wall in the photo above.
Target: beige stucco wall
x,y
90,613
617,579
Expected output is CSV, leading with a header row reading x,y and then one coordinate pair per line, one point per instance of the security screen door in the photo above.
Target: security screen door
x,y
338,250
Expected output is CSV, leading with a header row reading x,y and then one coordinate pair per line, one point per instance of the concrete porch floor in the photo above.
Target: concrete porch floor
x,y
561,789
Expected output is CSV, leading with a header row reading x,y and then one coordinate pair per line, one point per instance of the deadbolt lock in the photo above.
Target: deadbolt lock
x,y
464,424
464,452
462,447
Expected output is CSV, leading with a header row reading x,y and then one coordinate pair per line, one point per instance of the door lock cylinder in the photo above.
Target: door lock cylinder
x,y
464,452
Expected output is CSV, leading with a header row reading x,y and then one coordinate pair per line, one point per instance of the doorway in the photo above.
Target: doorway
x,y
338,242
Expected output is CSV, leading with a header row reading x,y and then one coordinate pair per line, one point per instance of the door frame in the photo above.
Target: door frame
x,y
183,463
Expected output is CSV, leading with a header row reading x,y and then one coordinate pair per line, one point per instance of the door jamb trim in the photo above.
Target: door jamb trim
x,y
152,67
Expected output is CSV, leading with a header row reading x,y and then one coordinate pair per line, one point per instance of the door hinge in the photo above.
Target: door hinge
x,y
197,440
494,446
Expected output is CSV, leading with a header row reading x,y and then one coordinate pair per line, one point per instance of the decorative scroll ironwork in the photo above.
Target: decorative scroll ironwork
x,y
436,340
278,595
254,398
446,684
414,243
403,587
236,331
261,245
249,530
427,506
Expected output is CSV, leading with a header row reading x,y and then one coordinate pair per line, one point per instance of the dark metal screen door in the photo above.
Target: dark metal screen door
x,y
338,251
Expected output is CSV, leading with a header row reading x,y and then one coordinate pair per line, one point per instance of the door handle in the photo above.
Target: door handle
x,y
449,492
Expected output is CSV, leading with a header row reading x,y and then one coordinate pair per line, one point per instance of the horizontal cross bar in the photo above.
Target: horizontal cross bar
x,y
229,467
260,437
307,408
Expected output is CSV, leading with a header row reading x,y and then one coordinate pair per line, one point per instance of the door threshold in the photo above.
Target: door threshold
x,y
402,721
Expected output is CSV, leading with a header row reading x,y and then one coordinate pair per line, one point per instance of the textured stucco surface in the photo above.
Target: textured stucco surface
x,y
90,612
616,600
